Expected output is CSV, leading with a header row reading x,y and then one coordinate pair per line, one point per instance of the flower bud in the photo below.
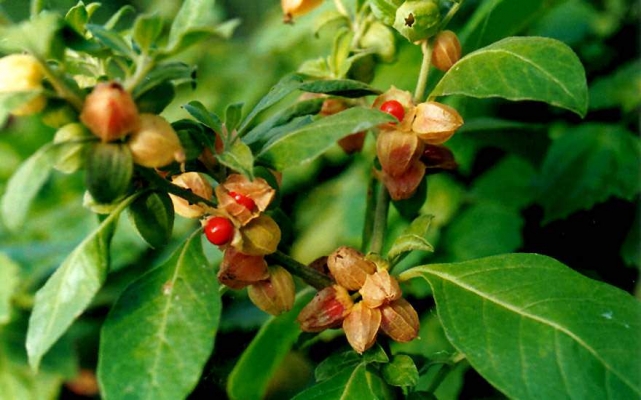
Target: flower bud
x,y
276,294
198,186
244,199
238,270
259,237
403,186
380,288
352,143
154,143
349,267
22,73
109,112
435,123
361,326
417,19
326,310
397,150
399,320
446,50
295,8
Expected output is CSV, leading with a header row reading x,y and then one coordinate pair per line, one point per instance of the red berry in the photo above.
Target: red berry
x,y
219,230
394,108
243,200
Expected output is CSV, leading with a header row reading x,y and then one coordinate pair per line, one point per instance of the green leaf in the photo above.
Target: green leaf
x,y
196,20
340,87
401,371
156,99
147,28
39,36
586,165
412,239
307,143
9,279
9,101
261,133
239,158
338,362
112,40
77,17
109,171
484,229
117,16
618,90
510,183
233,116
197,110
631,247
159,334
520,68
357,383
175,71
24,185
536,329
265,353
497,19
285,86
69,291
152,213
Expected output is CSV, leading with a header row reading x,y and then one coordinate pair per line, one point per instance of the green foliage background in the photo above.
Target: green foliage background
x,y
531,178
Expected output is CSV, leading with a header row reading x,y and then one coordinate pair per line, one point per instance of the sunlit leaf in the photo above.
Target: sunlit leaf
x,y
239,158
338,362
520,68
307,143
401,371
536,329
412,239
69,291
351,383
159,334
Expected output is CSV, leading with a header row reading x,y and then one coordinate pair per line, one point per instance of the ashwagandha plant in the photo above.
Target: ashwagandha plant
x,y
219,227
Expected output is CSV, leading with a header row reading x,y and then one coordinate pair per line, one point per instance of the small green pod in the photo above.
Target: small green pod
x,y
418,20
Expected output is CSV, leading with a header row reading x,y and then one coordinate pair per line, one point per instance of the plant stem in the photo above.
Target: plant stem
x,y
309,275
419,93
369,215
380,220
35,7
144,64
61,87
159,182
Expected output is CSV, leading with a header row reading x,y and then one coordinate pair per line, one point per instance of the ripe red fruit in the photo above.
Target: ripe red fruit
x,y
219,230
394,108
243,200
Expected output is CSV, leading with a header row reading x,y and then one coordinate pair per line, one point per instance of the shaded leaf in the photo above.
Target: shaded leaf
x,y
9,279
39,36
197,110
112,40
175,71
520,68
510,183
9,101
585,166
340,87
401,371
24,185
618,90
536,329
285,86
338,362
307,143
152,213
159,334
239,158
147,28
69,291
233,116
484,229
265,353
412,239
351,383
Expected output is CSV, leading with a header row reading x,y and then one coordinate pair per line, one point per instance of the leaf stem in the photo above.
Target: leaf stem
x,y
61,88
380,220
369,214
309,275
421,83
153,178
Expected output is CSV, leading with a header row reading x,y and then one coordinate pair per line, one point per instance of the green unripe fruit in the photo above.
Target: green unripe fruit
x,y
385,10
418,20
